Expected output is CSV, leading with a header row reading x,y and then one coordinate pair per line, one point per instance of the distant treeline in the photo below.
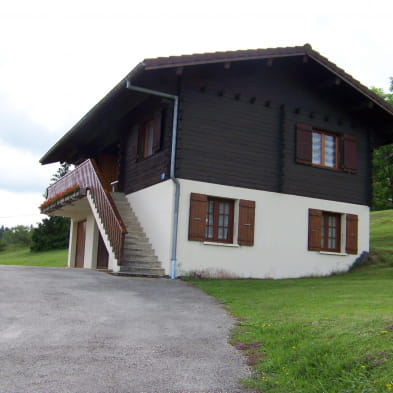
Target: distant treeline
x,y
51,234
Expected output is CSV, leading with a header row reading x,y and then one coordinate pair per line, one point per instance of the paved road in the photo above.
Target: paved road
x,y
81,331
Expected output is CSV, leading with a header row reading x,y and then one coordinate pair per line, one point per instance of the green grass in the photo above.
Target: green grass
x,y
23,256
318,335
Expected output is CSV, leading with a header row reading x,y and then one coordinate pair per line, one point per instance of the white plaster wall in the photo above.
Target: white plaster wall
x,y
154,208
91,243
72,243
281,236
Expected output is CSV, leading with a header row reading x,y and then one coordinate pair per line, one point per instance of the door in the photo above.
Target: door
x,y
80,244
102,254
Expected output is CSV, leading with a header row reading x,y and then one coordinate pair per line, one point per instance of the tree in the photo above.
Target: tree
x,y
53,232
62,171
383,165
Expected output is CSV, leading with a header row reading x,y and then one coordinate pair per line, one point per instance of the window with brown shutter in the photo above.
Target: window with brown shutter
x,y
197,220
350,162
211,220
351,238
246,223
304,144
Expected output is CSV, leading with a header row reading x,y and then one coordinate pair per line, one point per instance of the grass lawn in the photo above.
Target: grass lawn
x,y
318,335
23,256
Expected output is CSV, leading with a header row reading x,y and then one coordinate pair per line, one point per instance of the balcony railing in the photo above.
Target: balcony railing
x,y
86,176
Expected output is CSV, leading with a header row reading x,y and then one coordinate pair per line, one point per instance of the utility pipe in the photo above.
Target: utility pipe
x,y
175,99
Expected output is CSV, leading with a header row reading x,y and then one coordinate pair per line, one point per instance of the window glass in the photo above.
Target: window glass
x,y
316,148
149,139
330,151
219,218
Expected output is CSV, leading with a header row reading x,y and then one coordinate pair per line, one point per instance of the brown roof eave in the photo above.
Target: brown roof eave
x,y
51,155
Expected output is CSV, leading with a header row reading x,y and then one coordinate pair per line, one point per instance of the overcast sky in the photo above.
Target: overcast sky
x,y
58,58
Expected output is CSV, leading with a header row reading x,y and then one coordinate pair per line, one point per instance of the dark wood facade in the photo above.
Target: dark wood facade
x,y
238,128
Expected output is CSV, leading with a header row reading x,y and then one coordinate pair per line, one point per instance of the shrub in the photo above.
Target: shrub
x,y
51,234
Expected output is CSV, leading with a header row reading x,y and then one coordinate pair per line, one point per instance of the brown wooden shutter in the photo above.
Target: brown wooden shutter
x,y
246,223
314,229
197,222
304,144
351,243
157,131
350,161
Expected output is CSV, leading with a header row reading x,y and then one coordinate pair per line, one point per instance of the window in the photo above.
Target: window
x,y
149,138
324,231
219,220
211,219
330,232
324,149
321,149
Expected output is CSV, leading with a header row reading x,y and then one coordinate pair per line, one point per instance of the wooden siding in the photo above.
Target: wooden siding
x,y
138,173
238,127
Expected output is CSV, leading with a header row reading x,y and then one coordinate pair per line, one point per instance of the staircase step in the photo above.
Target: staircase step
x,y
139,258
140,265
143,271
132,256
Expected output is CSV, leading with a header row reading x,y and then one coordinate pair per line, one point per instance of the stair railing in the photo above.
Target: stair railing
x,y
87,175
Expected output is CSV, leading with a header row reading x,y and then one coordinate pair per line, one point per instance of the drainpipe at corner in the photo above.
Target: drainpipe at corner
x,y
175,99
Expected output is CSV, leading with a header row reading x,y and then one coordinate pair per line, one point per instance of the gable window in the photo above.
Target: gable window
x,y
324,149
321,149
324,231
211,220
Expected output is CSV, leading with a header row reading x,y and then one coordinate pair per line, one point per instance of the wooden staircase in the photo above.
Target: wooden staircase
x,y
139,258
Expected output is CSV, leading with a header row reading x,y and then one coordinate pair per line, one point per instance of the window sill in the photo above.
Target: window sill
x,y
220,244
342,254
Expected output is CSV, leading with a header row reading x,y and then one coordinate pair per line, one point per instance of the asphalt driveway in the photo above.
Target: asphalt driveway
x,y
80,331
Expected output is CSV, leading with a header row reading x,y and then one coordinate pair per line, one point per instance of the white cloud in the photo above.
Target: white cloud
x,y
21,172
20,209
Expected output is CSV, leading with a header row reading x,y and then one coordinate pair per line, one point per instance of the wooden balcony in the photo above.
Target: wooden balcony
x,y
75,185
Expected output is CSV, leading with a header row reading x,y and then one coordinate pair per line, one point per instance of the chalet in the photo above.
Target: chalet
x,y
251,163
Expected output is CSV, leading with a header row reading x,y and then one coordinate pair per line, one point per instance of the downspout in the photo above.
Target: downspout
x,y
175,99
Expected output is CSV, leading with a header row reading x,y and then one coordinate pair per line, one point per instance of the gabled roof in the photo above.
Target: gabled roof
x,y
94,122
255,54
